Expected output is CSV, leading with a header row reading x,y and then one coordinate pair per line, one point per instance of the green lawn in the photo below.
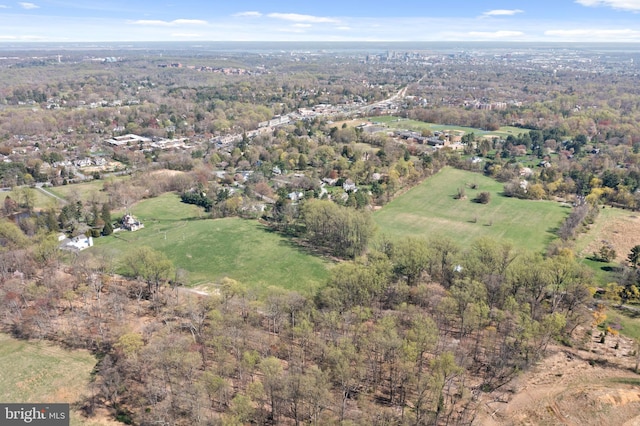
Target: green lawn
x,y
431,209
85,190
402,123
41,372
209,250
41,201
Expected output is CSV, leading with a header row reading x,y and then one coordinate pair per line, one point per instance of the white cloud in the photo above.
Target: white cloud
x,y
502,12
595,34
632,5
344,28
295,17
4,6
28,5
189,22
302,25
495,34
251,14
173,23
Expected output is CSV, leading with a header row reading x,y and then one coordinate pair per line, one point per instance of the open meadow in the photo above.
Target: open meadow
x,y
403,123
41,372
85,191
431,209
210,250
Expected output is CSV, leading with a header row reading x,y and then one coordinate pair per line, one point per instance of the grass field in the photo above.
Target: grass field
x,y
431,209
617,227
209,249
84,190
41,201
41,372
402,123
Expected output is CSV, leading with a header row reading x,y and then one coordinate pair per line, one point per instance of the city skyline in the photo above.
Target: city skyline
x,y
455,20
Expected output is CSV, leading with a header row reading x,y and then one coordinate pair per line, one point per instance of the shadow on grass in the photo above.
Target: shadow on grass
x,y
294,241
304,247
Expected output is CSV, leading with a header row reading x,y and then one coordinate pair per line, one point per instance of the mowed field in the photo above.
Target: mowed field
x,y
403,123
42,372
430,209
209,250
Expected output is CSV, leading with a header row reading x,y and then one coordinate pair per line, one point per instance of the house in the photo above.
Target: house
x,y
130,223
295,196
78,243
83,162
349,185
330,181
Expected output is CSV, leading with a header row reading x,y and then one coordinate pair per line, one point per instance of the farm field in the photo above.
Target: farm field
x,y
430,209
43,372
209,250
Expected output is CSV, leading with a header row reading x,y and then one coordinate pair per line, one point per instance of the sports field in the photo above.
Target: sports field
x,y
209,250
431,209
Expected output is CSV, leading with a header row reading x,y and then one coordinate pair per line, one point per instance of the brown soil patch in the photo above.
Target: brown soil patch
x,y
623,233
570,387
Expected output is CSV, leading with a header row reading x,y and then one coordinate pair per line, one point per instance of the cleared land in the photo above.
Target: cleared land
x,y
570,387
42,372
431,209
209,250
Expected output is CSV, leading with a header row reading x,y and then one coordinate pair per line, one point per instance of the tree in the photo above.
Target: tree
x,y
152,266
10,206
107,229
444,370
410,258
273,383
130,344
634,256
345,232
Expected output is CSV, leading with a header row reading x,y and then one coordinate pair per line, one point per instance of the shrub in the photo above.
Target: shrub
x,y
483,198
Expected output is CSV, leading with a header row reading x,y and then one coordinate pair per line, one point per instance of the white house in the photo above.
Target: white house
x,y
349,185
78,243
130,223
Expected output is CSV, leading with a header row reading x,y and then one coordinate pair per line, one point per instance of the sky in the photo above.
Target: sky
x,y
326,20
